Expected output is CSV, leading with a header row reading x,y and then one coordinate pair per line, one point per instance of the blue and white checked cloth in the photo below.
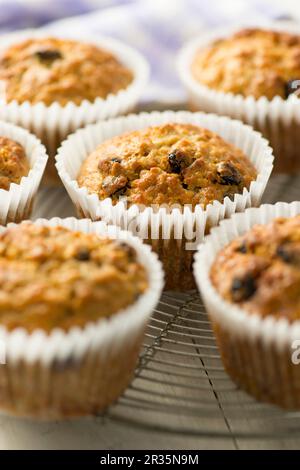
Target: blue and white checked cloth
x,y
158,28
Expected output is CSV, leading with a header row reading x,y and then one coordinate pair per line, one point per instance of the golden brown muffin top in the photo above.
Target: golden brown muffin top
x,y
167,164
50,69
54,277
252,62
260,271
13,163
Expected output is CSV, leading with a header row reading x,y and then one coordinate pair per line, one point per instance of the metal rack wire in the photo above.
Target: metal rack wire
x,y
180,385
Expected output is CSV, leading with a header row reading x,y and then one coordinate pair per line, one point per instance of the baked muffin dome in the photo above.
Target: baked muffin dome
x,y
59,70
167,164
13,163
55,277
254,62
260,271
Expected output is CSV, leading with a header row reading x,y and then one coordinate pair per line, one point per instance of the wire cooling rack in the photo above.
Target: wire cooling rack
x,y
180,385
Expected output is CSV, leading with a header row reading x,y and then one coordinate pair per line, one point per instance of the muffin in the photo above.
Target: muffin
x,y
251,287
260,271
169,164
172,164
252,74
54,85
13,163
52,70
168,179
80,296
51,277
22,163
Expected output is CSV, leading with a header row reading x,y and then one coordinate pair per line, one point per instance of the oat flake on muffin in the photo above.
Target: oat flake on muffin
x,y
252,62
59,70
167,164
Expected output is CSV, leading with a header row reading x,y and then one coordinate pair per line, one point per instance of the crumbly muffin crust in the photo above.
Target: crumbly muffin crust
x,y
260,271
253,62
13,163
54,277
59,70
167,164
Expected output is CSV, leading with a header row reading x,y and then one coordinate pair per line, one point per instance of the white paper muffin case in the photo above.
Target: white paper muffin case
x,y
16,203
84,370
256,352
53,123
277,119
167,231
